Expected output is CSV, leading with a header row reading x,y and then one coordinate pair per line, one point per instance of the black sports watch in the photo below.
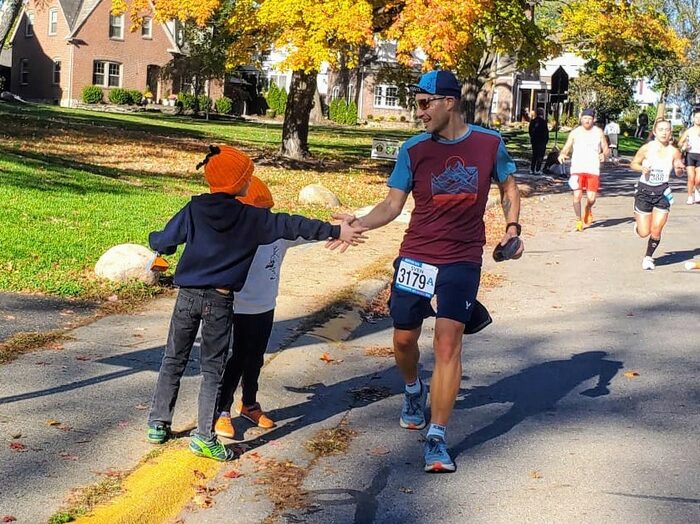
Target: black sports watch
x,y
518,228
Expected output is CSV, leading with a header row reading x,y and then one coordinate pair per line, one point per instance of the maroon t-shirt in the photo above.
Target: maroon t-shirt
x,y
450,182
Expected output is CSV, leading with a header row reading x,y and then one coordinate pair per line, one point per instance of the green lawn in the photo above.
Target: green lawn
x,y
74,183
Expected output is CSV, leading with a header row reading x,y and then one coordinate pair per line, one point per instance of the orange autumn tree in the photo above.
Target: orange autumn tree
x,y
478,39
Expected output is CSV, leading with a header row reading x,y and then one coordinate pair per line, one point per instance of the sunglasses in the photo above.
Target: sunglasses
x,y
424,103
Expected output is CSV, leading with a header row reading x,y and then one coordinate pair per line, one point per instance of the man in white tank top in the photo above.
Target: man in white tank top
x,y
652,197
589,148
690,144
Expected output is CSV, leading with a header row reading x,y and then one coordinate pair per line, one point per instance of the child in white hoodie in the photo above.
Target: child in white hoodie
x,y
254,310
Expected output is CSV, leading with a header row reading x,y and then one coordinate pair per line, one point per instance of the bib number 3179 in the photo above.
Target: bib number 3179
x,y
416,277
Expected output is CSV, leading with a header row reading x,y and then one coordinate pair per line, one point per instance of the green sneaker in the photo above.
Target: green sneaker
x,y
212,449
158,433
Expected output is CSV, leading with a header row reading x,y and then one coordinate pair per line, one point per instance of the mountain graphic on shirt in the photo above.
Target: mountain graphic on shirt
x,y
456,182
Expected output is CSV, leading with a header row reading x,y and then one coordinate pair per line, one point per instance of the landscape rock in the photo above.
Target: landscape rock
x,y
317,194
127,262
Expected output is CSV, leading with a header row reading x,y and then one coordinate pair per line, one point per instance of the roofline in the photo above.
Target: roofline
x,y
72,34
19,20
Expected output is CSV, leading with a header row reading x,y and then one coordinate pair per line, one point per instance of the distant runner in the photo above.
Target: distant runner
x,y
690,144
653,197
590,148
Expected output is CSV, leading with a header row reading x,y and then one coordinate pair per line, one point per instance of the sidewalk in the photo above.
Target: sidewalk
x,y
70,416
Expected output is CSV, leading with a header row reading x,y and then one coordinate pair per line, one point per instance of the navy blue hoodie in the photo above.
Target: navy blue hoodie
x,y
221,236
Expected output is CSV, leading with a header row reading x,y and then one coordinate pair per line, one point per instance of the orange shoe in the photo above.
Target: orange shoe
x,y
588,216
255,414
223,426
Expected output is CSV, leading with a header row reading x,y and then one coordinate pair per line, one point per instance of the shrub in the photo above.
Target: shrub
x,y
224,105
187,101
203,103
136,96
402,118
92,95
392,118
119,96
276,99
270,113
370,117
342,112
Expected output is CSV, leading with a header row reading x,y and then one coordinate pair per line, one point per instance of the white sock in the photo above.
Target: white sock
x,y
436,430
413,388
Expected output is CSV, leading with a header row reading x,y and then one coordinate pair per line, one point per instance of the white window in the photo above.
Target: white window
x,y
29,27
115,75
279,80
116,27
147,27
56,71
386,96
24,71
106,74
53,21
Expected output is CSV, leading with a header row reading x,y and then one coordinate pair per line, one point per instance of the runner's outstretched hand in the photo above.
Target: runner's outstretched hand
x,y
349,236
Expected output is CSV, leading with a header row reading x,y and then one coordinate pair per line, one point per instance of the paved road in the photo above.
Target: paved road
x,y
548,426
36,313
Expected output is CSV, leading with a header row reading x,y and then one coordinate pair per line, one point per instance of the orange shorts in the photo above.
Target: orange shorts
x,y
585,182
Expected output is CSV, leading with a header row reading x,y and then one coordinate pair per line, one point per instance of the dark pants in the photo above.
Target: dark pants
x,y
538,151
215,312
251,334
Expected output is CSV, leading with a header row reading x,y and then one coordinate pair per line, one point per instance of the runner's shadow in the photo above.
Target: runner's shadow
x,y
535,390
611,222
674,257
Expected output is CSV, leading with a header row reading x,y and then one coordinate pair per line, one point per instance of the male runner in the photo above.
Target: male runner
x,y
449,170
590,148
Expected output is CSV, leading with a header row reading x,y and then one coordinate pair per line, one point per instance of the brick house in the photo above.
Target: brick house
x,y
61,46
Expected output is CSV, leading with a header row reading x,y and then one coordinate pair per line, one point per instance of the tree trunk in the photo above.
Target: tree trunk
x,y
8,13
295,129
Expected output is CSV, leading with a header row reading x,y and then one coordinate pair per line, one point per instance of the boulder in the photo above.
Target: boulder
x,y
127,262
317,194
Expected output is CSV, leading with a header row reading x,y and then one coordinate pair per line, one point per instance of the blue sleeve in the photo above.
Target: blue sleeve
x,y
402,176
290,227
504,164
174,234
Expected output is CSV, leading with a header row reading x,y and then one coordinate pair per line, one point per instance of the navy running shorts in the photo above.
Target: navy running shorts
x,y
456,288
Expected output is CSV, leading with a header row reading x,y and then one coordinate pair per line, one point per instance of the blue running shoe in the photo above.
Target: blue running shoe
x,y
437,460
413,412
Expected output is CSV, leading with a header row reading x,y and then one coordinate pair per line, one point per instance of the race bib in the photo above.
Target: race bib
x,y
657,176
416,277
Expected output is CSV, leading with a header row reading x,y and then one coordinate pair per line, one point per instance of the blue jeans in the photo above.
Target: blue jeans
x,y
215,311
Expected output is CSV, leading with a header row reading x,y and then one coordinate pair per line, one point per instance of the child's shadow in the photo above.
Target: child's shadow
x,y
535,390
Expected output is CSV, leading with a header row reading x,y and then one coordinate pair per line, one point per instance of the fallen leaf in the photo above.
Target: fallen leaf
x,y
16,435
8,518
82,358
67,456
405,490
326,358
53,423
203,501
199,475
123,423
534,474
233,474
112,298
631,374
378,452
141,406
18,447
9,317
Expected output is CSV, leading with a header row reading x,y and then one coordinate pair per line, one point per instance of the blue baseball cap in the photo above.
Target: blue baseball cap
x,y
438,83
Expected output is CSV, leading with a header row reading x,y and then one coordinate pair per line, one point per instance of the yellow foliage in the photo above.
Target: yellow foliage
x,y
316,31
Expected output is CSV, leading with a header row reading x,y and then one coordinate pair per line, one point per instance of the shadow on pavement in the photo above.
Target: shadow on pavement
x,y
535,390
674,257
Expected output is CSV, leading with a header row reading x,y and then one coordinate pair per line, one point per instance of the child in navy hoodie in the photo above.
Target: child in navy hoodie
x,y
221,236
